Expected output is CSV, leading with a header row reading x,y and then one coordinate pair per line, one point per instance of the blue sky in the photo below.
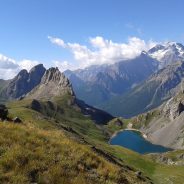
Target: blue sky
x,y
26,25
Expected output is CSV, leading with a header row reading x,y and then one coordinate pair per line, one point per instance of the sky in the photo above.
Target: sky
x,y
75,34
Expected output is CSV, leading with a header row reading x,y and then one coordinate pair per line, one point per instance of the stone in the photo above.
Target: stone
x,y
3,112
138,173
17,120
118,122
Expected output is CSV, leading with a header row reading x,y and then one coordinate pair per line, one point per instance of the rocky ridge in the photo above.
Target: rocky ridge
x,y
53,83
23,83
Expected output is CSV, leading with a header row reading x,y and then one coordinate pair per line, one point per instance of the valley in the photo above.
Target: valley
x,y
62,116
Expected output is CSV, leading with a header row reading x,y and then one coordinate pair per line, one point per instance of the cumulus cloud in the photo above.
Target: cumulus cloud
x,y
9,67
27,64
63,65
104,51
57,41
7,63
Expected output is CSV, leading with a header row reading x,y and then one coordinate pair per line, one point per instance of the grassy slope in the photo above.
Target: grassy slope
x,y
30,154
85,128
37,151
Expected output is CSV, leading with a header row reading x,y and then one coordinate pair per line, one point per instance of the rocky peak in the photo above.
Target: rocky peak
x,y
156,48
53,83
24,82
167,53
38,69
22,72
35,75
54,75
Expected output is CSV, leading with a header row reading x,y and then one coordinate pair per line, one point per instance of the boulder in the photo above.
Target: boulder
x,y
118,122
3,112
138,173
17,120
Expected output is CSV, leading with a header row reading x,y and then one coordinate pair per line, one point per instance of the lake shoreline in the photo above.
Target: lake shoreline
x,y
141,134
131,129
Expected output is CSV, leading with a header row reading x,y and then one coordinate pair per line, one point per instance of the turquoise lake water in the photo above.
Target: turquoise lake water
x,y
134,141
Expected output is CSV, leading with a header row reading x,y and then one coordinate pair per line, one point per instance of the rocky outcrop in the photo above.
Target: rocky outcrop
x,y
169,158
3,112
23,83
17,120
166,126
173,108
53,84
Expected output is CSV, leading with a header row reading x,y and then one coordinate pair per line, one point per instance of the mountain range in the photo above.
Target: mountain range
x,y
98,84
44,84
61,139
149,94
130,87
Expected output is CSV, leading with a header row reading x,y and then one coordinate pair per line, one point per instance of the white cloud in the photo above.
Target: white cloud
x,y
7,63
104,51
9,67
27,64
63,65
57,41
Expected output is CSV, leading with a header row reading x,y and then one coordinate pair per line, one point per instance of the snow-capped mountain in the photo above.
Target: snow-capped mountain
x,y
167,53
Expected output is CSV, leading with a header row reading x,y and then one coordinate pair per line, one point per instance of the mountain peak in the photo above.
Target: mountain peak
x,y
170,43
167,53
38,67
23,83
53,83
22,73
52,74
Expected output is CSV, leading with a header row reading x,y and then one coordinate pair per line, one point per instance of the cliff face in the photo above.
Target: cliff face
x,y
23,83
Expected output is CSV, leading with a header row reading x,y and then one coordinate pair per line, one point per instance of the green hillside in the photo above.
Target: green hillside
x,y
67,147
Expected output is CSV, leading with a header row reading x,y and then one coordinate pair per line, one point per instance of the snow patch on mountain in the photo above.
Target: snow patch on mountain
x,y
167,53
